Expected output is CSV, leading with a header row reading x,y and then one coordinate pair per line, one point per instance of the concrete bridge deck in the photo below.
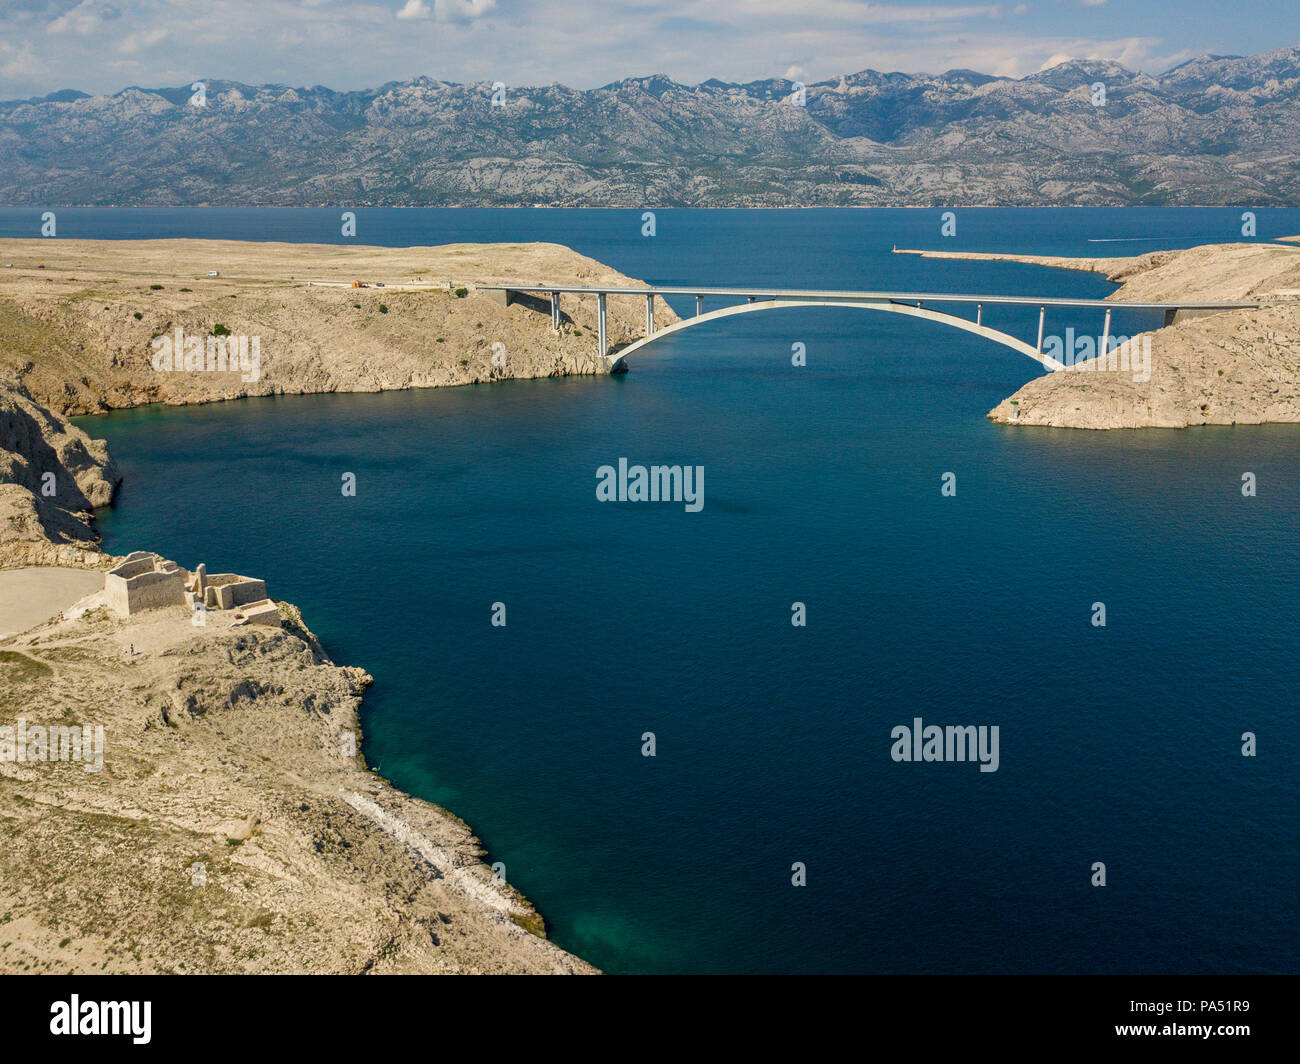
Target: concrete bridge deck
x,y
909,303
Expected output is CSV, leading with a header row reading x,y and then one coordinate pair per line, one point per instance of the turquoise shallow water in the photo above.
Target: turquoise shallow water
x,y
1119,744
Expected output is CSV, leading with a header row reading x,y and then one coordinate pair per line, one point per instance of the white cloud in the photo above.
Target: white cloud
x,y
18,62
142,41
354,44
1136,53
451,10
446,10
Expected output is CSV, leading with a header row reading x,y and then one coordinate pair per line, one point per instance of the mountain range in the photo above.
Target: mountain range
x,y
1215,130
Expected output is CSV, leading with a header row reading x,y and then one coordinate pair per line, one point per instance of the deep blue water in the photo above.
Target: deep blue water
x,y
822,485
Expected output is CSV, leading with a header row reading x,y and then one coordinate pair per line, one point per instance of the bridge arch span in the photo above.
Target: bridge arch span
x,y
617,360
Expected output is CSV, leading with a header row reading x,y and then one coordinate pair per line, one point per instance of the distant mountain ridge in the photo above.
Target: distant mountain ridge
x,y
1214,130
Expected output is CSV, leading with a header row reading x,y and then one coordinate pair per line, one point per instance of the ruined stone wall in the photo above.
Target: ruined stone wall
x,y
238,594
144,582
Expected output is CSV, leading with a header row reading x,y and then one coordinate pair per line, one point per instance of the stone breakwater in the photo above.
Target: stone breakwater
x,y
1234,367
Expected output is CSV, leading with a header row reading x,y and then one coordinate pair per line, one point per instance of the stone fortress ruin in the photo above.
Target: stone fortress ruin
x,y
146,581
143,582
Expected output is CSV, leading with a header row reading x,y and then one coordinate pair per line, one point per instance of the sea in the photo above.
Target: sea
x,y
675,770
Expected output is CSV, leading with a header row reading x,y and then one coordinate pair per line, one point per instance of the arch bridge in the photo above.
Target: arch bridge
x,y
913,304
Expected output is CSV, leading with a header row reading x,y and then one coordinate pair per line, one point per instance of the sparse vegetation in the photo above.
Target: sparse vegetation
x,y
461,293
220,330
16,667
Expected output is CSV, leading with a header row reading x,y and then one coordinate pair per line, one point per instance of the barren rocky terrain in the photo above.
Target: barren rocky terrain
x,y
1233,367
233,827
78,317
52,475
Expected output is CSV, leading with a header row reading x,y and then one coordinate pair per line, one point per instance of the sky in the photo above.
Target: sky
x,y
102,46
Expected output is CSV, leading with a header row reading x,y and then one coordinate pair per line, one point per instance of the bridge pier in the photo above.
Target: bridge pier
x,y
699,305
555,311
1042,319
979,313
649,315
1105,336
601,345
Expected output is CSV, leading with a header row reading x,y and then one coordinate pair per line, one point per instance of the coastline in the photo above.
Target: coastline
x,y
387,881
1234,367
59,531
229,815
79,318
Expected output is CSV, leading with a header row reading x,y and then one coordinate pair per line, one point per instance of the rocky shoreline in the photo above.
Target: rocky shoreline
x,y
232,825
88,326
1239,367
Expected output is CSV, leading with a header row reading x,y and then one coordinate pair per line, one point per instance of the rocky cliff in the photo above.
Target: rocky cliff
x,y
227,823
1233,367
52,475
83,322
